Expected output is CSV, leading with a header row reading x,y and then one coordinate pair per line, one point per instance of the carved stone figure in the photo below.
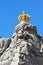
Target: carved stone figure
x,y
25,47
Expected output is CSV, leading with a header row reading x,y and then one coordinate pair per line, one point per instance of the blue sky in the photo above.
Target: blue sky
x,y
10,9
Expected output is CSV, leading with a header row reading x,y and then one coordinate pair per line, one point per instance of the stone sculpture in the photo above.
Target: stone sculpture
x,y
25,47
4,44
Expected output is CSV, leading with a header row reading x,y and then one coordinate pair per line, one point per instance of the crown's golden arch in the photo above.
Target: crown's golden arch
x,y
23,18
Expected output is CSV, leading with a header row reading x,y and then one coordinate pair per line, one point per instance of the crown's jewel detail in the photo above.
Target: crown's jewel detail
x,y
24,17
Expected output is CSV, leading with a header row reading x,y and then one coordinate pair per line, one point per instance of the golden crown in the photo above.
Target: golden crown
x,y
24,17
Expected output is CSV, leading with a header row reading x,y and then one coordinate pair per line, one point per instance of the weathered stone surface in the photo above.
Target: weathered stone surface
x,y
4,44
24,48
